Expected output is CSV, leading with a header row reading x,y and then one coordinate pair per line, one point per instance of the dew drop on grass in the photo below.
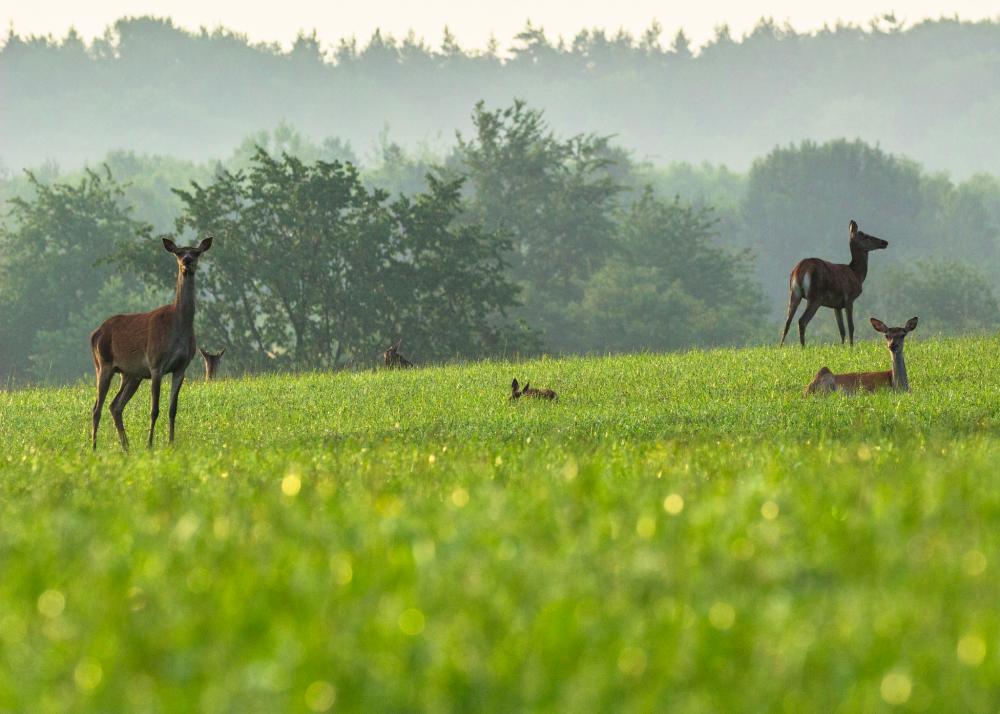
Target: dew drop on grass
x,y
291,484
673,504
88,674
971,650
632,661
460,497
570,469
896,688
51,603
340,566
769,510
411,622
721,615
320,696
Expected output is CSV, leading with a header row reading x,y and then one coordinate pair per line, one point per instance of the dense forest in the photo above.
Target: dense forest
x,y
530,228
928,91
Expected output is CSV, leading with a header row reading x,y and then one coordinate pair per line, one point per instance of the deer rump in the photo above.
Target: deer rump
x,y
829,284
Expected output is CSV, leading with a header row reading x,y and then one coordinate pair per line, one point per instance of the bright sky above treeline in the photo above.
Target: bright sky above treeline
x,y
473,22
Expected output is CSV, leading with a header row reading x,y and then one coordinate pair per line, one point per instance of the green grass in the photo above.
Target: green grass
x,y
411,541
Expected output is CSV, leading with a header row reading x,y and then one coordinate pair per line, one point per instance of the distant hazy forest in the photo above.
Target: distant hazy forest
x,y
607,193
931,91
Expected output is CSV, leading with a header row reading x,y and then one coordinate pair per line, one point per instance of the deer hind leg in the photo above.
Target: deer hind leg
x,y
175,389
840,323
811,309
104,376
156,378
125,392
793,304
850,322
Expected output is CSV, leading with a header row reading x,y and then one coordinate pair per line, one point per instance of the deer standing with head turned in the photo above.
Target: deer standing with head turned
x,y
834,285
826,381
148,345
211,362
392,357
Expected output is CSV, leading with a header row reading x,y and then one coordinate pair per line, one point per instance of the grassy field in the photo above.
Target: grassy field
x,y
678,533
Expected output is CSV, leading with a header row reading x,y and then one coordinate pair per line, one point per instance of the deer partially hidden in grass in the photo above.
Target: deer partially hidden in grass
x,y
211,362
826,381
392,357
835,285
516,391
148,345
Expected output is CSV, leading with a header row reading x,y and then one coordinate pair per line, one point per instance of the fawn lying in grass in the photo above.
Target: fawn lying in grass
x,y
528,391
826,381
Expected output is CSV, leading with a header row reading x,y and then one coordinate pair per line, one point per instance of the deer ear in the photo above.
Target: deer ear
x,y
169,245
878,325
222,351
911,324
525,387
203,353
205,244
852,227
513,385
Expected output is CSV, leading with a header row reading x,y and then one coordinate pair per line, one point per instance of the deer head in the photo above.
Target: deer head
x,y
894,336
862,240
187,257
211,361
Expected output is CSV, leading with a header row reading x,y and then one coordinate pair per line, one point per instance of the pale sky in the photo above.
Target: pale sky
x,y
472,21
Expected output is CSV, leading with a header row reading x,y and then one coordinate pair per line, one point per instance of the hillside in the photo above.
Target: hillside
x,y
678,532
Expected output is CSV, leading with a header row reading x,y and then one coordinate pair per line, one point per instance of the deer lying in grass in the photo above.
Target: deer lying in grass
x,y
826,381
528,391
211,362
392,357
148,345
835,285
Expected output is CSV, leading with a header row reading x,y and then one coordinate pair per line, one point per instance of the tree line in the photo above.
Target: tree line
x,y
927,90
517,240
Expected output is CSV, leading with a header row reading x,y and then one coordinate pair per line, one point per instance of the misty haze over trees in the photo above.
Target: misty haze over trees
x,y
931,91
538,226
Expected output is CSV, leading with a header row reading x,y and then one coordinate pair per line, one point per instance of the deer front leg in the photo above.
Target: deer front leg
x,y
811,309
850,322
840,323
175,389
155,378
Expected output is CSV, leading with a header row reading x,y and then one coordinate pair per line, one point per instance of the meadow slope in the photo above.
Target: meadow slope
x,y
679,533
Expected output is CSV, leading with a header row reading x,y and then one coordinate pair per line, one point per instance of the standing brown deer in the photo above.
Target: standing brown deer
x,y
826,381
529,391
393,358
835,285
148,345
211,362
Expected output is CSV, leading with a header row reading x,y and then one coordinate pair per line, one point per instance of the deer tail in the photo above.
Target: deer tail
x,y
95,337
800,282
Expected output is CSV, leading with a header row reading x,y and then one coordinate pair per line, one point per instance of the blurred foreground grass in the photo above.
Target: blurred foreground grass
x,y
678,533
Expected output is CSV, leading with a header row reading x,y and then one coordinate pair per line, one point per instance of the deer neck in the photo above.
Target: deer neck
x,y
859,262
184,302
899,378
